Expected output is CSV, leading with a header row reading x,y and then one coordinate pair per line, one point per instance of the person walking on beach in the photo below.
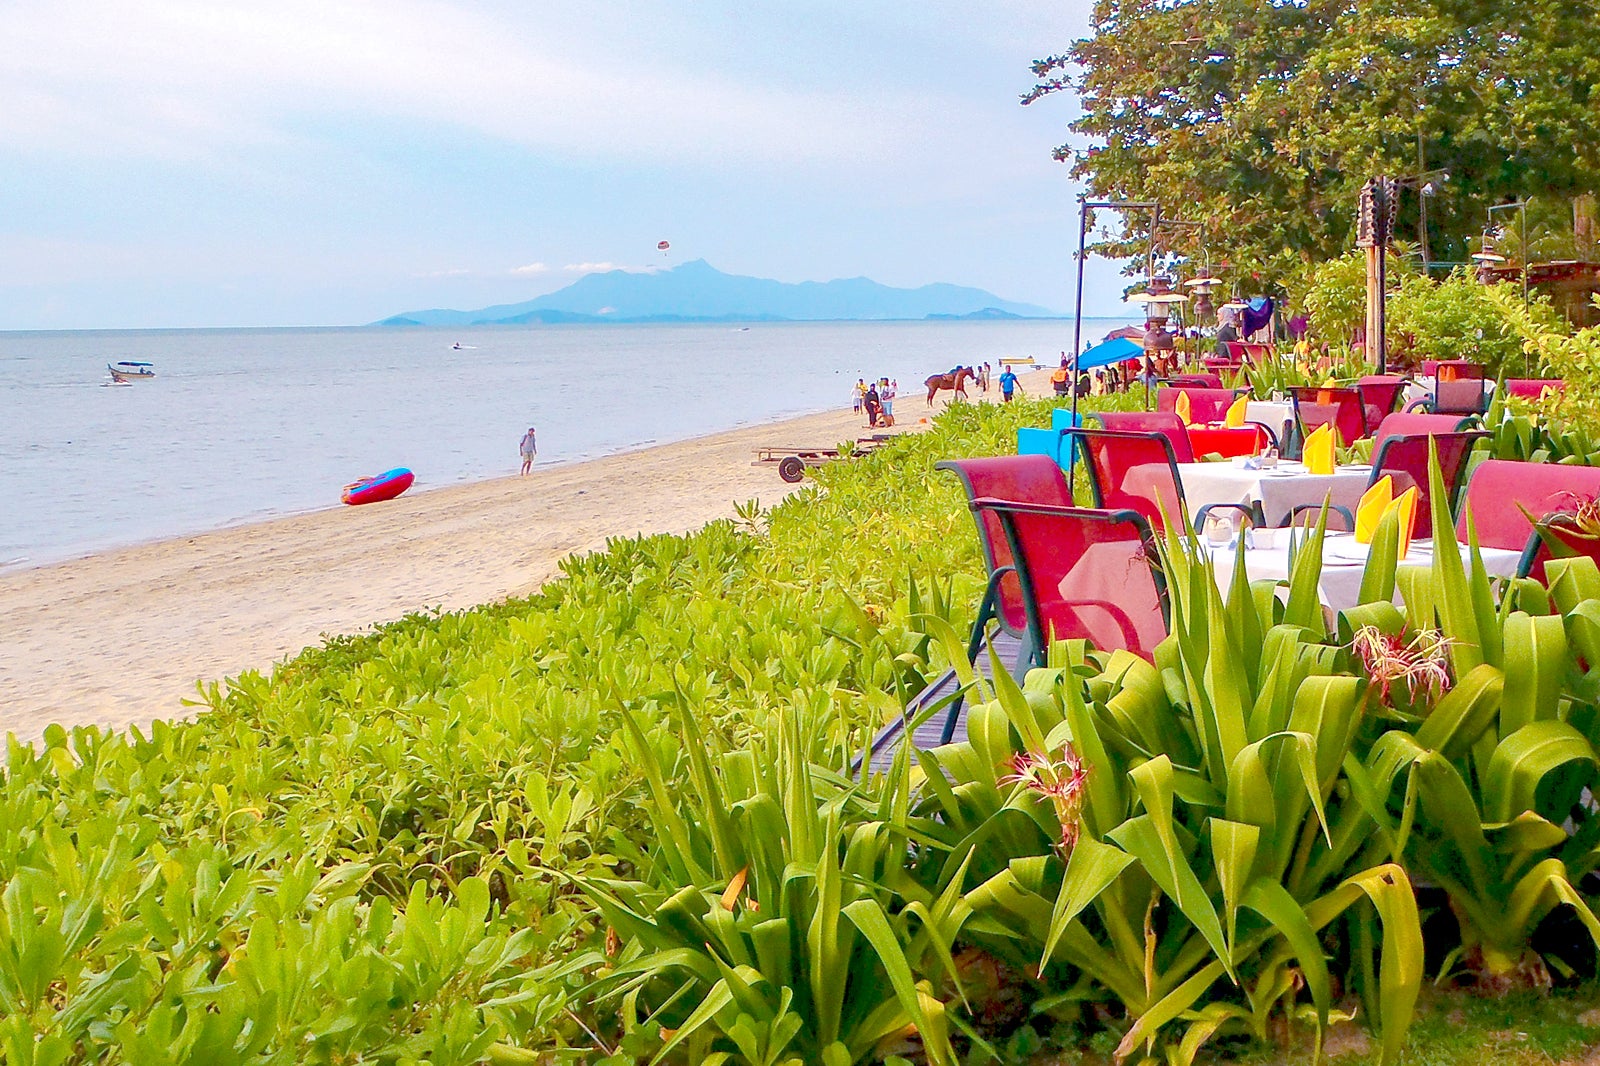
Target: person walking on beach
x,y
1008,385
529,448
861,394
887,395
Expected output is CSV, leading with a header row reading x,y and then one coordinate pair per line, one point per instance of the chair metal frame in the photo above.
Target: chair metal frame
x,y
1341,398
1087,450
1455,481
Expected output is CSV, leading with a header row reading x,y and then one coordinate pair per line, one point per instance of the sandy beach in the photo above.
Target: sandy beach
x,y
122,637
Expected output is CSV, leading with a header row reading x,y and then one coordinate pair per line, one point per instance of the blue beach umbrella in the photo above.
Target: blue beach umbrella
x,y
1117,350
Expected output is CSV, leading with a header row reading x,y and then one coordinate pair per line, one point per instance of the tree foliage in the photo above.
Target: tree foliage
x,y
1264,119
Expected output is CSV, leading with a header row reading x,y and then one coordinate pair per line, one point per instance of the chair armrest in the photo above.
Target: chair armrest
x,y
1272,437
1344,512
1251,512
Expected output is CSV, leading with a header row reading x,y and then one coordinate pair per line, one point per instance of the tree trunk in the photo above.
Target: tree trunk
x,y
1583,226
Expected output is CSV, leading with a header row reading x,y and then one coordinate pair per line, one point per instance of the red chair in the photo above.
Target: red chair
x,y
1246,351
1205,405
1499,485
1137,472
1408,425
1533,388
1165,423
1194,381
1459,388
1315,406
1380,394
1404,458
1085,574
1018,479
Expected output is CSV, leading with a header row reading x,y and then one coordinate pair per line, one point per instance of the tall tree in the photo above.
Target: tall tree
x,y
1263,119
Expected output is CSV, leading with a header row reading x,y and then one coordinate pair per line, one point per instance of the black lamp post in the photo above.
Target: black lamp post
x,y
1521,208
1084,207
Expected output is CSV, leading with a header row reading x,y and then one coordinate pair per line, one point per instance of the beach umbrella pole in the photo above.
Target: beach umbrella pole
x,y
1077,338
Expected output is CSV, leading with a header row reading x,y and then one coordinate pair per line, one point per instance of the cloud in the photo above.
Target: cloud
x,y
531,268
188,78
454,272
595,268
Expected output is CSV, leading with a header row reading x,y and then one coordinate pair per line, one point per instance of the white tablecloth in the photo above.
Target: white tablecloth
x,y
1343,562
1274,414
1278,491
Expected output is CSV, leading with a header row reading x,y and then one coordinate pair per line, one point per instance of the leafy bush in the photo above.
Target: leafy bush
x,y
412,805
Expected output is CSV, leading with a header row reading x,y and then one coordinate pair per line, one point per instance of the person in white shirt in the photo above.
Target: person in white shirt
x,y
886,395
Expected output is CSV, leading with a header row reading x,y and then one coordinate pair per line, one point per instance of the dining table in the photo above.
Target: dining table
x,y
1276,415
1277,489
1266,557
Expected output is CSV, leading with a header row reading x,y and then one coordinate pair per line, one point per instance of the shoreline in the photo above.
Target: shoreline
x,y
122,637
76,555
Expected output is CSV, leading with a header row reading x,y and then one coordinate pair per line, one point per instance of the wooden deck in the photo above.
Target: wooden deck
x,y
930,733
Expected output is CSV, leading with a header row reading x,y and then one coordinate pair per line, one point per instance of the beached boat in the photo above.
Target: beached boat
x,y
129,370
379,487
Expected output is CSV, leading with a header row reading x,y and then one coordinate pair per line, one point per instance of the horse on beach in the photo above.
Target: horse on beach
x,y
956,382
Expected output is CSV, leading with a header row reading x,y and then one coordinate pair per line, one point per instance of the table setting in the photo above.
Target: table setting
x,y
1344,554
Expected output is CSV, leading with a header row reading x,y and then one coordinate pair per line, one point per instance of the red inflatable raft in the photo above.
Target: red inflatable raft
x,y
384,486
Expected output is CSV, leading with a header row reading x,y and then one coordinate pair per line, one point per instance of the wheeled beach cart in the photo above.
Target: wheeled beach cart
x,y
792,462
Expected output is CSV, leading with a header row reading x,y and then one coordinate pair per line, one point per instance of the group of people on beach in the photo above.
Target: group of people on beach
x,y
877,400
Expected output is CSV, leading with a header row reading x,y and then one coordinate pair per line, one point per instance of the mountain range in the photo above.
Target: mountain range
x,y
698,292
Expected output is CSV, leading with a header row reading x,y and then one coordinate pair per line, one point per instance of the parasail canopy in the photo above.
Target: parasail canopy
x,y
663,245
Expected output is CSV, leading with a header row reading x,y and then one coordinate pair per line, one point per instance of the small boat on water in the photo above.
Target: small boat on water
x,y
128,371
379,487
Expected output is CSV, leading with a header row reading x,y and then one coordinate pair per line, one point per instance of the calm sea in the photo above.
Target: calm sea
x,y
241,425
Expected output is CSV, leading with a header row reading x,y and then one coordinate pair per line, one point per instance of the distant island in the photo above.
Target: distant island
x,y
698,292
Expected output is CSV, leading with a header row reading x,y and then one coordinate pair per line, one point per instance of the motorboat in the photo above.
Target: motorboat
x,y
130,371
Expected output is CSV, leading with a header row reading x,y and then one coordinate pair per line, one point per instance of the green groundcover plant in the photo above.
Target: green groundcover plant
x,y
614,821
394,821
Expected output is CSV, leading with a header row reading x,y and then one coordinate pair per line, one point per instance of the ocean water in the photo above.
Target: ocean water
x,y
243,425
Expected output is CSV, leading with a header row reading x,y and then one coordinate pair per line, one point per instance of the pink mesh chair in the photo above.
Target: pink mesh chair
x,y
1207,380
1499,485
1315,406
1165,423
1085,574
1137,472
1205,405
1380,393
1404,459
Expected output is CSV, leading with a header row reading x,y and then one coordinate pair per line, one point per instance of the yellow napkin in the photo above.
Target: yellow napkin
x,y
1407,503
1369,512
1318,452
1183,408
1234,419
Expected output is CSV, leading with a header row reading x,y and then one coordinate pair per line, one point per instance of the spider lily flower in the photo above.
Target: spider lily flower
x,y
1061,779
1421,664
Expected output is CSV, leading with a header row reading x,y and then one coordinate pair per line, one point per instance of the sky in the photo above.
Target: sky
x,y
186,163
